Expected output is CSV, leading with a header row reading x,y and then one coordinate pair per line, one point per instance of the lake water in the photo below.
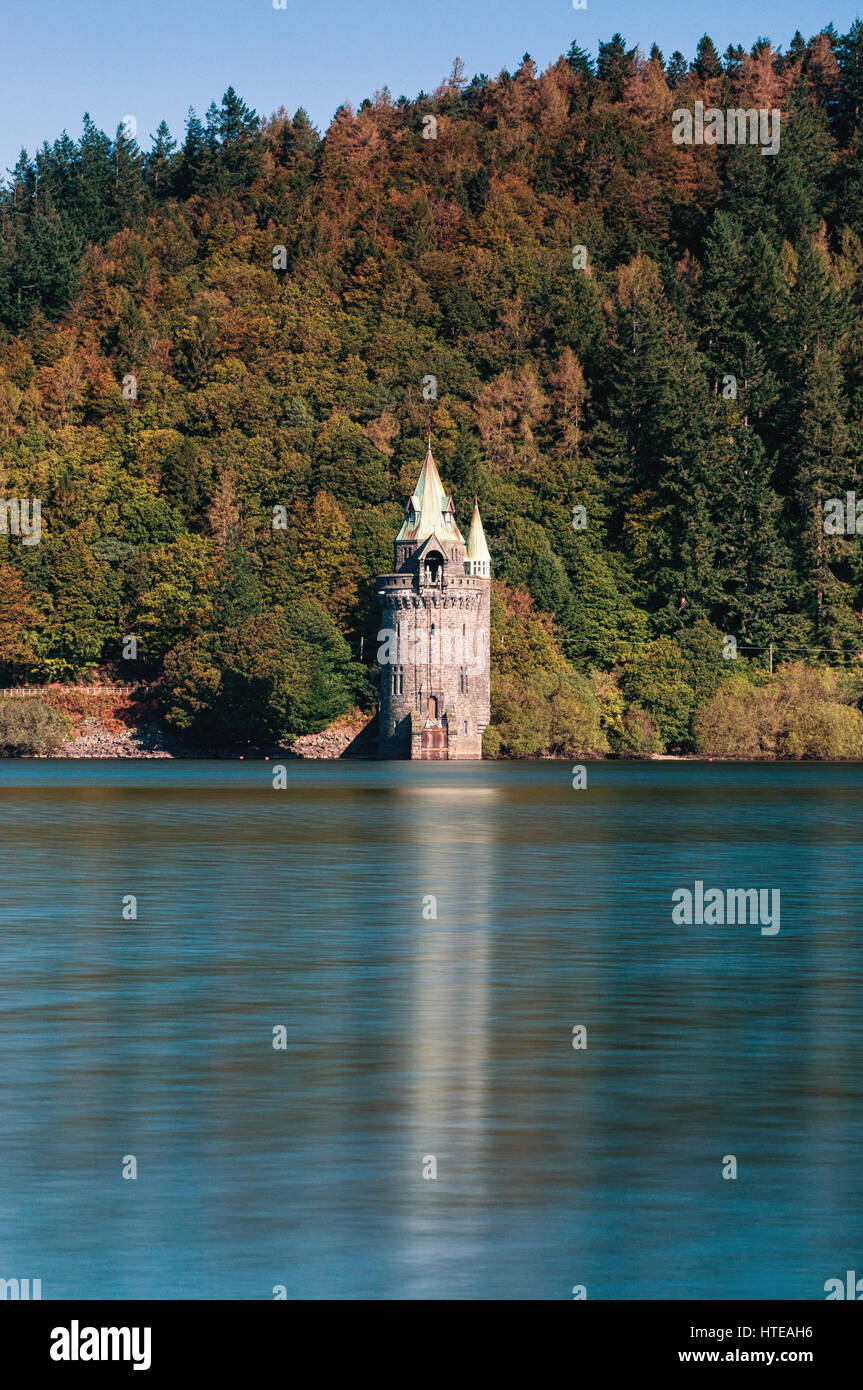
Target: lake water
x,y
410,1037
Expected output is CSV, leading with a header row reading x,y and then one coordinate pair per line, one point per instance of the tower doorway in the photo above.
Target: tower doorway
x,y
433,744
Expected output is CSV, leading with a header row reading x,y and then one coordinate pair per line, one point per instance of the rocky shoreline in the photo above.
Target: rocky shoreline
x,y
123,727
352,738
95,740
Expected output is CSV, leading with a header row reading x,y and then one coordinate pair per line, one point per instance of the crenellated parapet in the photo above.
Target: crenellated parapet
x,y
400,599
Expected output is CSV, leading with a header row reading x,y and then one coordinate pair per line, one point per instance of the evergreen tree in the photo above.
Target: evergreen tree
x,y
304,137
159,163
193,159
614,65
824,465
44,276
849,106
580,61
95,208
755,594
127,184
239,146
707,64
677,69
733,57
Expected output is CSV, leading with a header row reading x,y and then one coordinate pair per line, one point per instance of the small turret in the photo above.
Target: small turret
x,y
477,559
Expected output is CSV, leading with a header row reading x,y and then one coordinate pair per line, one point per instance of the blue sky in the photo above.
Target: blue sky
x,y
152,60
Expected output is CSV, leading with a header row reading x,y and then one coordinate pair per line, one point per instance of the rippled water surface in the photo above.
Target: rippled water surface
x,y
410,1036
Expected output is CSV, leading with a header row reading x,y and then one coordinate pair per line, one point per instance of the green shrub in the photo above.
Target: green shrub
x,y
657,682
557,717
638,735
490,742
826,731
727,726
270,677
800,712
31,727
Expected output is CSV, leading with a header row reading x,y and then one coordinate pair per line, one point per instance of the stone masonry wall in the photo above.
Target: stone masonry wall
x,y
442,644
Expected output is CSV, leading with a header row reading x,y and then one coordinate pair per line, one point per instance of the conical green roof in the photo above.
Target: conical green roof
x,y
476,544
429,512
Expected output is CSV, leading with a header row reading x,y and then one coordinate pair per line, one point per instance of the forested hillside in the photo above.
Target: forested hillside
x,y
246,318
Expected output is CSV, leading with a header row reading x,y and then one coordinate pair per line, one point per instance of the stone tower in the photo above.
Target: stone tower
x,y
434,638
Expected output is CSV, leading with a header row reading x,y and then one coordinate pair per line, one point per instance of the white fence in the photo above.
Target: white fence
x,y
17,692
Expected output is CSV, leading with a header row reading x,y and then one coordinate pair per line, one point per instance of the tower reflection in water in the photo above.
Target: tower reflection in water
x,y
448,842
